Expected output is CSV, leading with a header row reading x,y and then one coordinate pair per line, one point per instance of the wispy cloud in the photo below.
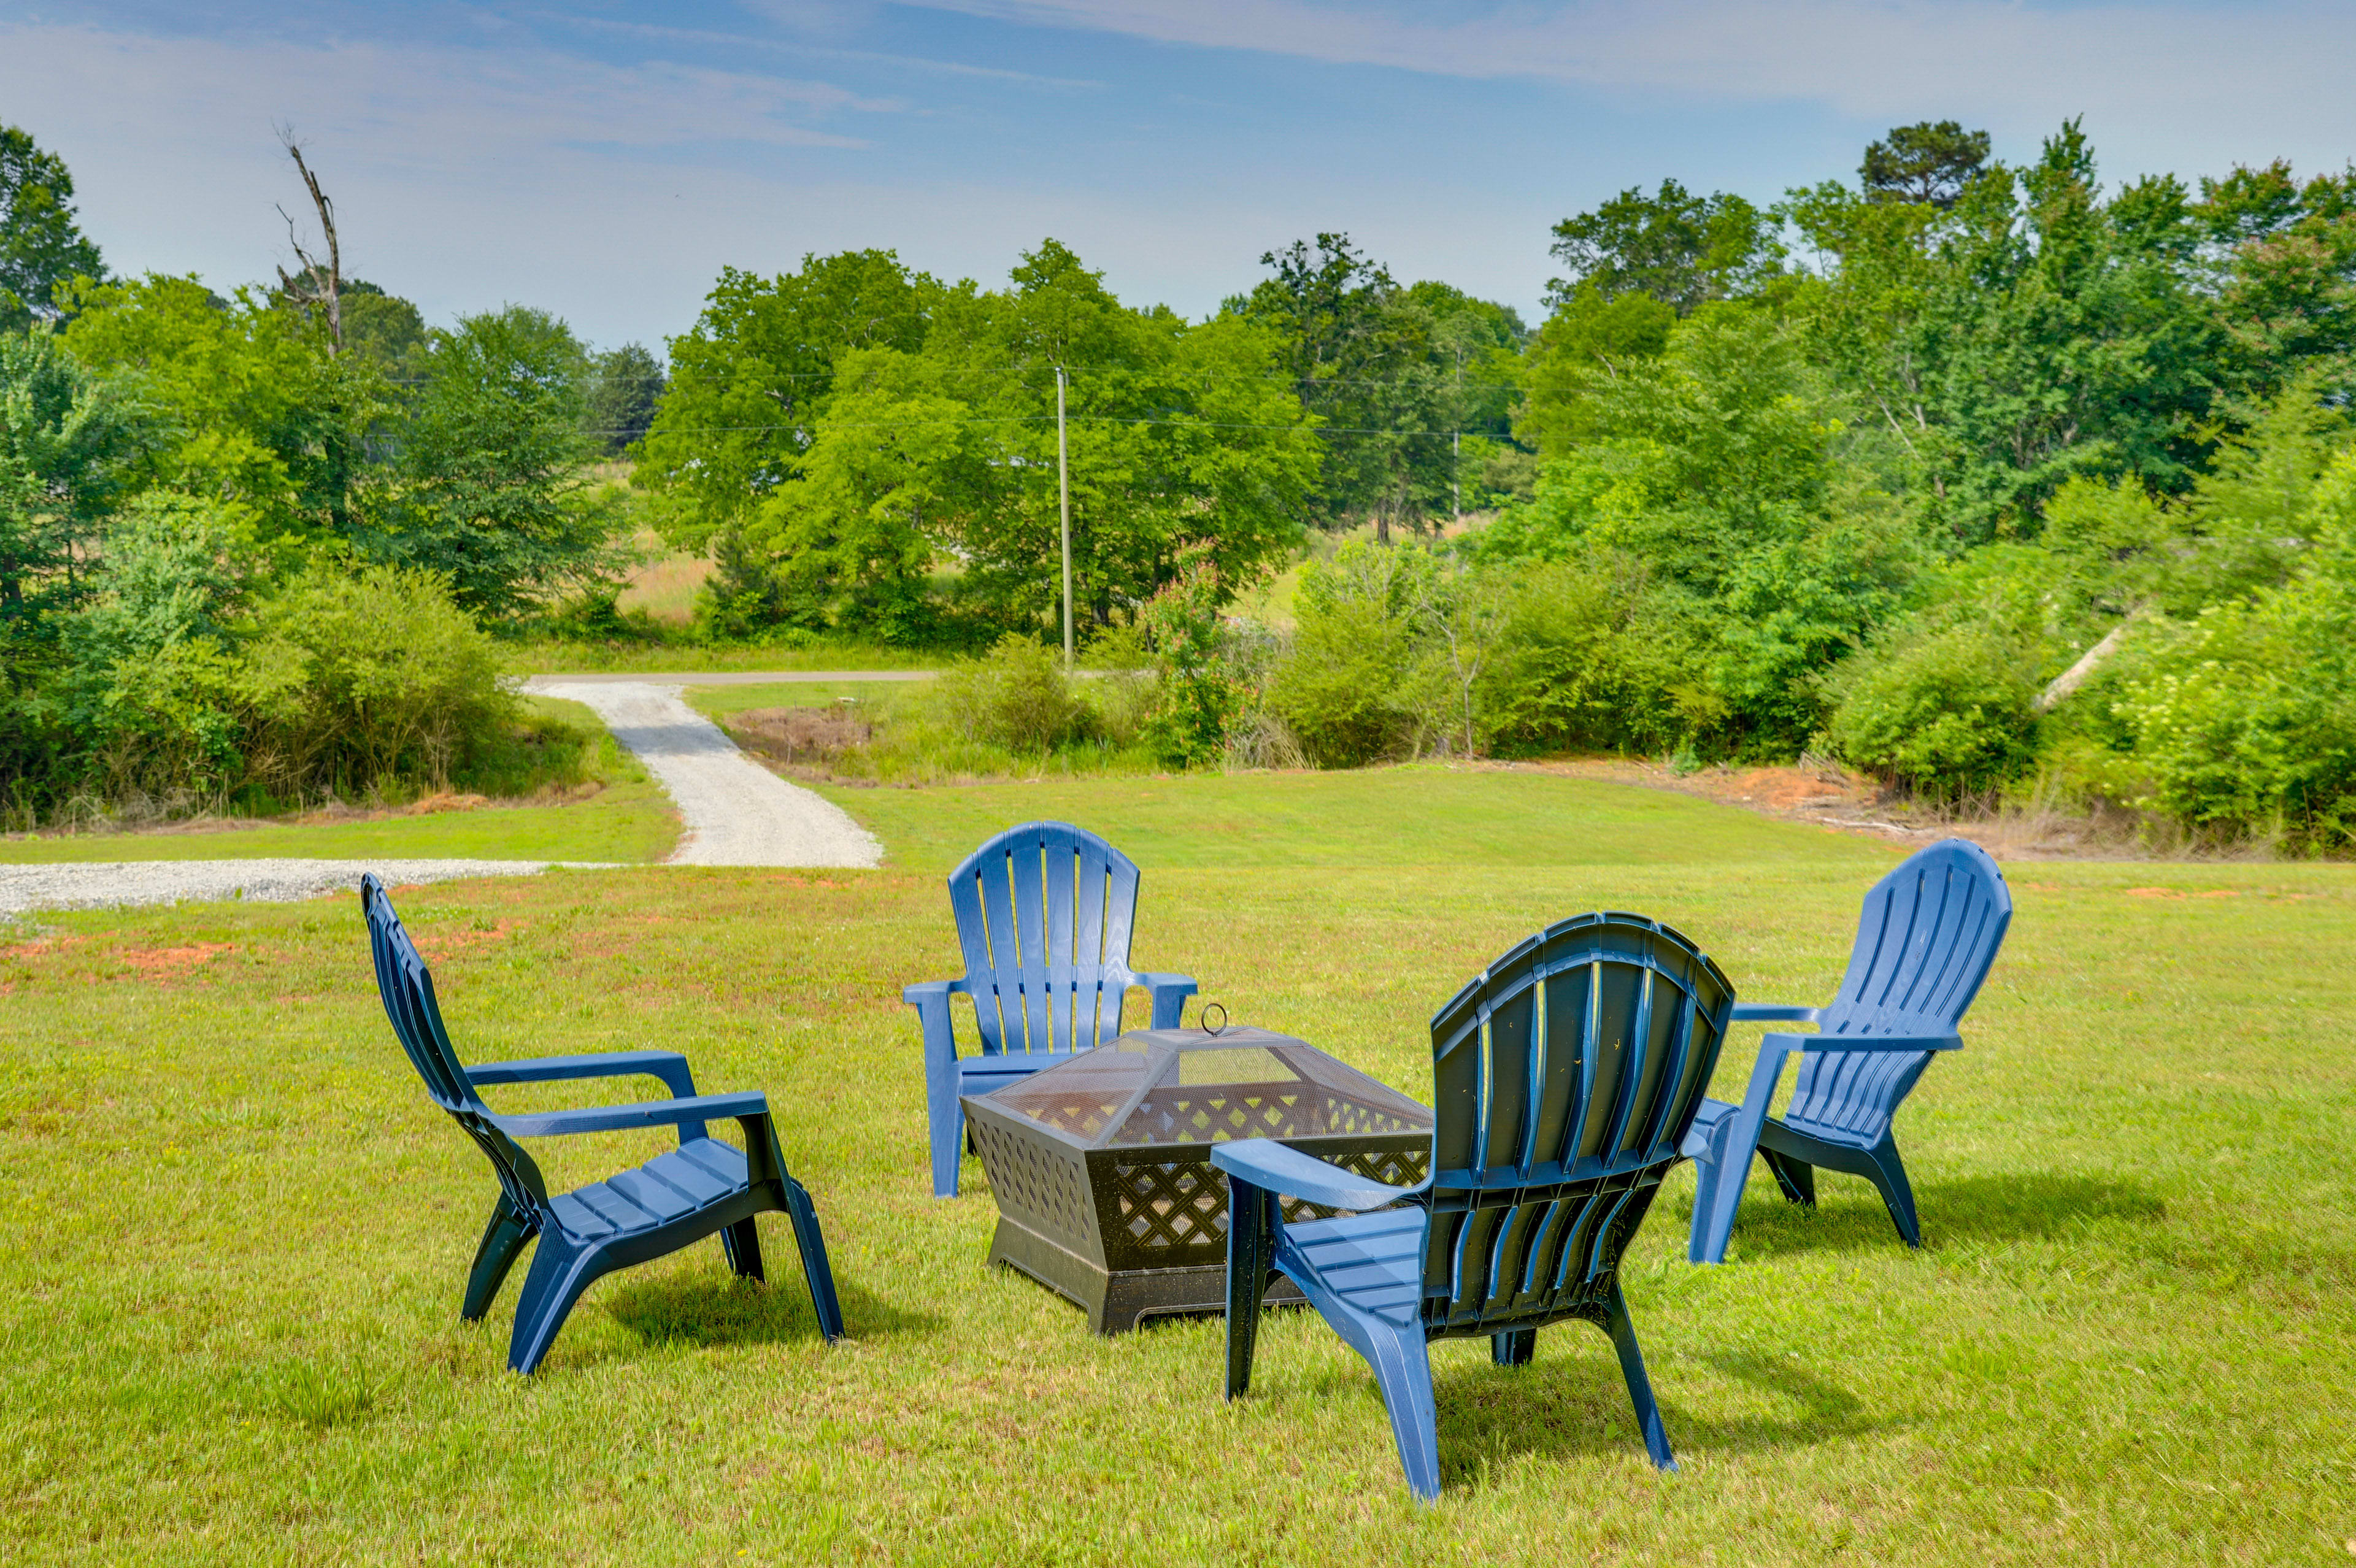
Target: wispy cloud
x,y
704,38
2276,73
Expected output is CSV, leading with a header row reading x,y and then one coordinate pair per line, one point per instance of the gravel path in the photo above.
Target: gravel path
x,y
736,812
101,884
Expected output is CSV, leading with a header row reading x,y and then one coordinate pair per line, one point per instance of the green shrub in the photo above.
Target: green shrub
x,y
1360,684
1017,695
1196,695
360,683
1943,714
146,687
1587,659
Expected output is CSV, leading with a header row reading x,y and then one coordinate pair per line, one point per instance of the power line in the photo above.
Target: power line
x,y
1050,419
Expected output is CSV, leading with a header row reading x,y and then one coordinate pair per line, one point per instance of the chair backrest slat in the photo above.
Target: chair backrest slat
x,y
406,988
1926,938
1565,1078
1043,914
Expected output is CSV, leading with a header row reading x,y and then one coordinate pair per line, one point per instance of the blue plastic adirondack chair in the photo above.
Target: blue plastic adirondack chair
x,y
1044,913
1924,943
1567,1076
704,1186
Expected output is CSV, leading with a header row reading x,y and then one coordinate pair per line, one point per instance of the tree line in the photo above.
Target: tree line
x,y
250,543
1979,476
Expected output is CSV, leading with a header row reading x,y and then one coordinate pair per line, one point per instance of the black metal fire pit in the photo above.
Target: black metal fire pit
x,y
1102,1166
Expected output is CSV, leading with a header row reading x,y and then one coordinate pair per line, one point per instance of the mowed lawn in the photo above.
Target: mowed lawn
x,y
238,1233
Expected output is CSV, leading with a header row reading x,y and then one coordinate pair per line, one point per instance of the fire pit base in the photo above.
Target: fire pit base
x,y
1116,1302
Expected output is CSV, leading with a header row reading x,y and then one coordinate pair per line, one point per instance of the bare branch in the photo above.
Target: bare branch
x,y
323,283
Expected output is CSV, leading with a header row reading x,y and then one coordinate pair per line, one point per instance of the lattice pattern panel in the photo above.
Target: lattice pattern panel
x,y
1255,1111
1218,1114
1184,1203
1035,1182
1344,1115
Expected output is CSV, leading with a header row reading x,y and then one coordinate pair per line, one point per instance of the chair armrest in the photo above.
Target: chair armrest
x,y
1264,1162
1772,1013
1166,996
931,1000
667,1065
1885,1044
621,1118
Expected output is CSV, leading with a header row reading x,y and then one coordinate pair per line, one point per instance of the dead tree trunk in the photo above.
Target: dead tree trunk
x,y
321,284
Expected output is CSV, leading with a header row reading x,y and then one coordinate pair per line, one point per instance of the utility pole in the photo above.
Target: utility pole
x,y
1064,489
1456,444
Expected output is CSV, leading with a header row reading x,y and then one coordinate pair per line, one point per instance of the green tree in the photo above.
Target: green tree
x,y
2282,273
2033,332
1683,249
41,247
626,384
748,381
261,413
1587,340
70,442
383,328
1378,368
1924,163
487,489
1179,437
1720,466
147,684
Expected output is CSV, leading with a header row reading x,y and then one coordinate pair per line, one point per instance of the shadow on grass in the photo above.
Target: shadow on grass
x,y
1572,1402
714,1308
2032,1205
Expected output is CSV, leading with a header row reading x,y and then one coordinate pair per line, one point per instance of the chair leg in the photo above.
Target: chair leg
x,y
559,1274
1724,1165
1253,1219
945,1119
817,1272
503,1239
1640,1387
1897,1192
1401,1359
740,1244
1721,1176
1513,1348
1797,1178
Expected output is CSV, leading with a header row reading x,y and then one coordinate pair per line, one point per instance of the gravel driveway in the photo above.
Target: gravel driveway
x,y
100,884
736,812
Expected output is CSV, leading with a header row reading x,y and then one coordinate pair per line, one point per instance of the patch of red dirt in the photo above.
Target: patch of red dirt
x,y
444,944
171,963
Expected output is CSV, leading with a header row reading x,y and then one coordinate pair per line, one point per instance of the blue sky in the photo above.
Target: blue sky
x,y
605,158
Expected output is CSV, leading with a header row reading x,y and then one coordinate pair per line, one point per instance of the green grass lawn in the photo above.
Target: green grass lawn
x,y
238,1232
629,819
550,657
718,702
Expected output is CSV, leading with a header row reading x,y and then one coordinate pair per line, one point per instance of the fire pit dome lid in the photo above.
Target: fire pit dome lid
x,y
1185,1085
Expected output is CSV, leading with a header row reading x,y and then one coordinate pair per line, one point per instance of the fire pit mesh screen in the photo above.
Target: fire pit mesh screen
x,y
1175,1086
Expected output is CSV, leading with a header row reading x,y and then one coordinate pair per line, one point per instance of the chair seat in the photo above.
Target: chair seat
x,y
995,1070
669,1187
1713,1112
1373,1262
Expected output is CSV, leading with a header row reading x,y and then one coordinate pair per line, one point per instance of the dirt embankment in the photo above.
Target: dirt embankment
x,y
1828,796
